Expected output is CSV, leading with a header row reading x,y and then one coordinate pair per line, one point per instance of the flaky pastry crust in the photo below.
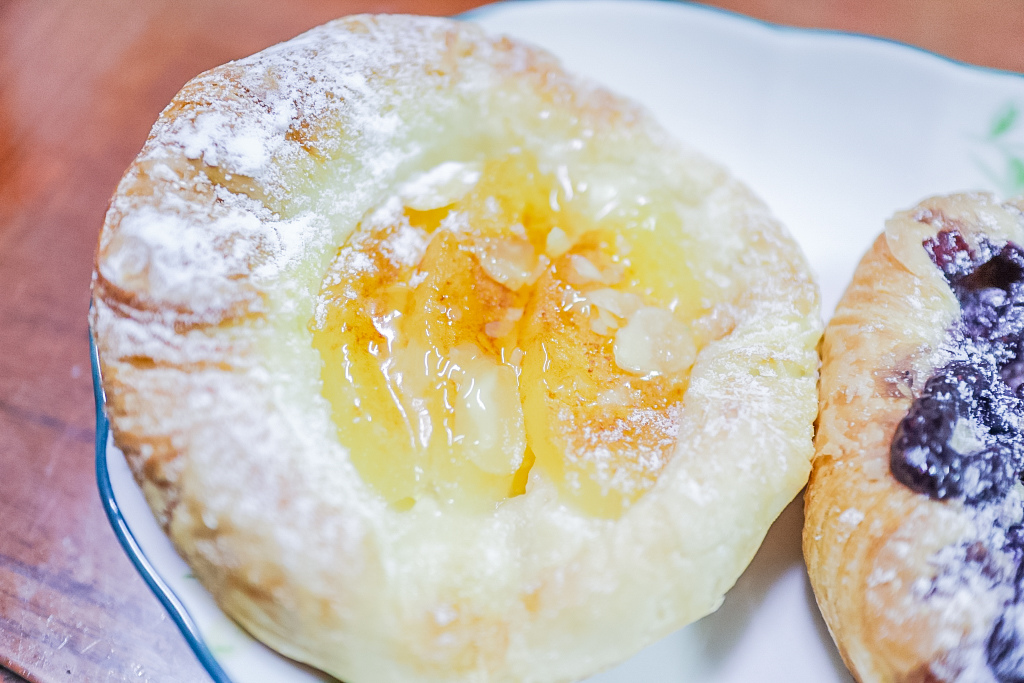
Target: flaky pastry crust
x,y
909,586
208,265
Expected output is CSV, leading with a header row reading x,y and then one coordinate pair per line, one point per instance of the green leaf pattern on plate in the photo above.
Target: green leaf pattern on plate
x,y
1004,121
1003,145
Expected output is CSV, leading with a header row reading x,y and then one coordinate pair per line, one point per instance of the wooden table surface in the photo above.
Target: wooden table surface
x,y
81,81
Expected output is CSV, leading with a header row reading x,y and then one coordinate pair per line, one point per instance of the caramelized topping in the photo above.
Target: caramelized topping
x,y
477,325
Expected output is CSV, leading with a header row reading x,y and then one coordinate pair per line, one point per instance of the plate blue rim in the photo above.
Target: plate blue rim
x,y
163,592
172,604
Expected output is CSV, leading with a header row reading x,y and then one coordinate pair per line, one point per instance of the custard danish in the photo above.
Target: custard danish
x,y
438,363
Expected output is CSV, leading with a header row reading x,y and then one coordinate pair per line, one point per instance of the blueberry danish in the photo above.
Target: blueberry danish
x,y
914,538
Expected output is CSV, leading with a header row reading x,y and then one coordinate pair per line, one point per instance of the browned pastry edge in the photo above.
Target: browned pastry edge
x,y
870,543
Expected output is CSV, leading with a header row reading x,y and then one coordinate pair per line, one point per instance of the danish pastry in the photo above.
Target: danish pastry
x,y
437,363
913,534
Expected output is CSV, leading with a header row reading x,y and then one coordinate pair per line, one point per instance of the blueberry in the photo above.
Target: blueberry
x,y
1000,271
949,251
931,451
962,437
921,456
990,296
1012,371
982,311
1005,647
939,448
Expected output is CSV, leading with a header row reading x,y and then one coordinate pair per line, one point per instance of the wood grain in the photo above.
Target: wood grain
x,y
981,32
80,84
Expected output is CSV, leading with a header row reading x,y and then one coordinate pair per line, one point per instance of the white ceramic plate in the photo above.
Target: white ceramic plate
x,y
835,132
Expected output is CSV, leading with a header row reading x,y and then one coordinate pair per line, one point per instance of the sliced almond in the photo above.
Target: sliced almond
x,y
510,262
654,341
488,413
557,242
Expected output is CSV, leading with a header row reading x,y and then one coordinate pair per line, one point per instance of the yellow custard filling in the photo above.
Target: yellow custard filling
x,y
477,326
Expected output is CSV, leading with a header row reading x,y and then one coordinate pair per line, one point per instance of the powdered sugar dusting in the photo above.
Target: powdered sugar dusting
x,y
221,141
173,257
851,517
277,158
600,448
962,439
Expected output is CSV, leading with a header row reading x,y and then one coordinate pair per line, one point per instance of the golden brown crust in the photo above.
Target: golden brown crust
x,y
874,548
